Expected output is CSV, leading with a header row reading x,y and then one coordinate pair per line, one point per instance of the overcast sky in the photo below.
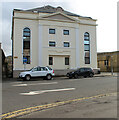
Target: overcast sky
x,y
105,11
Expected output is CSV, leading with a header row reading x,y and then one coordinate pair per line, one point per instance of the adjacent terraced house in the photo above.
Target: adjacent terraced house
x,y
52,36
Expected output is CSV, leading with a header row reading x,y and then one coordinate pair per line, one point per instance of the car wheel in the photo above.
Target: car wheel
x,y
76,76
27,77
49,77
91,75
85,76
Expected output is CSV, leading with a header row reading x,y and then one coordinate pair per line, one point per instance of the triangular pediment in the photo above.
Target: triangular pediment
x,y
59,16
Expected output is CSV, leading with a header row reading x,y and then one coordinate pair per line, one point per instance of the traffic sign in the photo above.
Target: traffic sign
x,y
24,60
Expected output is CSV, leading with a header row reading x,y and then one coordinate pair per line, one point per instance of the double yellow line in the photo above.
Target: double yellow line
x,y
47,106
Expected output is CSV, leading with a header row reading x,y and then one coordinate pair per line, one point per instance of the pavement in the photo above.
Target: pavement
x,y
104,74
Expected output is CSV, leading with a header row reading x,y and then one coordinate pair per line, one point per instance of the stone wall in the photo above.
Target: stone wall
x,y
112,58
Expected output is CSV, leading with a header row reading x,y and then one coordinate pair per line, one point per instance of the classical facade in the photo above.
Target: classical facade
x,y
49,36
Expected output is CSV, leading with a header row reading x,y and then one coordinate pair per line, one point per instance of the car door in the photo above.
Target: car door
x,y
81,71
43,71
36,72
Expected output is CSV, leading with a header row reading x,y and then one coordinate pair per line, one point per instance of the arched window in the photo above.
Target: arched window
x,y
26,45
87,48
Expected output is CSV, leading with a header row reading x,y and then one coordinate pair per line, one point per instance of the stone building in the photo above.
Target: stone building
x,y
108,61
49,36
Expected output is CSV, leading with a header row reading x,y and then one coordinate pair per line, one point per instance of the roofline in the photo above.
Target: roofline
x,y
108,52
80,17
75,15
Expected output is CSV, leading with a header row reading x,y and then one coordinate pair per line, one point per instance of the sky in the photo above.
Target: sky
x,y
105,11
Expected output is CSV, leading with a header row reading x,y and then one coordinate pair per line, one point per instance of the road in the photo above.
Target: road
x,y
19,94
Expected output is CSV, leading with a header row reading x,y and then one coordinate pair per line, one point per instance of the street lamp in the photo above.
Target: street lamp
x,y
24,60
112,65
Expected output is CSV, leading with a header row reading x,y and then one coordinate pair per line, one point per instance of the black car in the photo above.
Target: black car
x,y
85,72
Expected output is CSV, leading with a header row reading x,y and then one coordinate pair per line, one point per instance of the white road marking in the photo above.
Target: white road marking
x,y
20,85
36,84
73,80
16,82
46,91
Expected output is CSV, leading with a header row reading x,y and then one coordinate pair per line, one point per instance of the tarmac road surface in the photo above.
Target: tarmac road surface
x,y
19,95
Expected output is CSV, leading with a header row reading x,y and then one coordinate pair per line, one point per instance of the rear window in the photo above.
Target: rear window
x,y
82,69
88,69
49,68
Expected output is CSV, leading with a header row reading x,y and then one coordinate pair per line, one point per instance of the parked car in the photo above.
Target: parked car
x,y
45,72
85,72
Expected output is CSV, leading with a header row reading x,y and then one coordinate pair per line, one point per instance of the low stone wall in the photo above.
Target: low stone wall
x,y
16,73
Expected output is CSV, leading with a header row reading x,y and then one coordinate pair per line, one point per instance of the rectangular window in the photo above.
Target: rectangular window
x,y
50,60
26,45
26,34
86,42
26,38
66,32
87,57
106,62
51,31
66,60
87,54
52,44
86,38
66,44
87,60
86,47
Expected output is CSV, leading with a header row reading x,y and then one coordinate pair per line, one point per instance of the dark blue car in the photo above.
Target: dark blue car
x,y
85,72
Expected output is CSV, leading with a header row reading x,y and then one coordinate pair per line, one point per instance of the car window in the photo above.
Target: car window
x,y
35,69
38,68
81,70
43,69
88,69
49,68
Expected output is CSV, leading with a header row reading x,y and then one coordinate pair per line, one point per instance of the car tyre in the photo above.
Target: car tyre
x,y
49,77
91,74
27,77
85,76
76,76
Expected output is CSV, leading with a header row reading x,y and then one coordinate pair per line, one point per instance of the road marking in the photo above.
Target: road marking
x,y
47,106
35,84
16,82
46,91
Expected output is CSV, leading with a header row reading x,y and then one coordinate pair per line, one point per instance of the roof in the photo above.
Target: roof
x,y
50,9
108,53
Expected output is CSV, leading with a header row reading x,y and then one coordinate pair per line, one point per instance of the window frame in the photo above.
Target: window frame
x,y
26,44
51,29
50,63
86,43
67,32
67,44
50,45
66,62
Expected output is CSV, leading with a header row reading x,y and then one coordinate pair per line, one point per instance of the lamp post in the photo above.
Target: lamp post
x,y
24,61
112,65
